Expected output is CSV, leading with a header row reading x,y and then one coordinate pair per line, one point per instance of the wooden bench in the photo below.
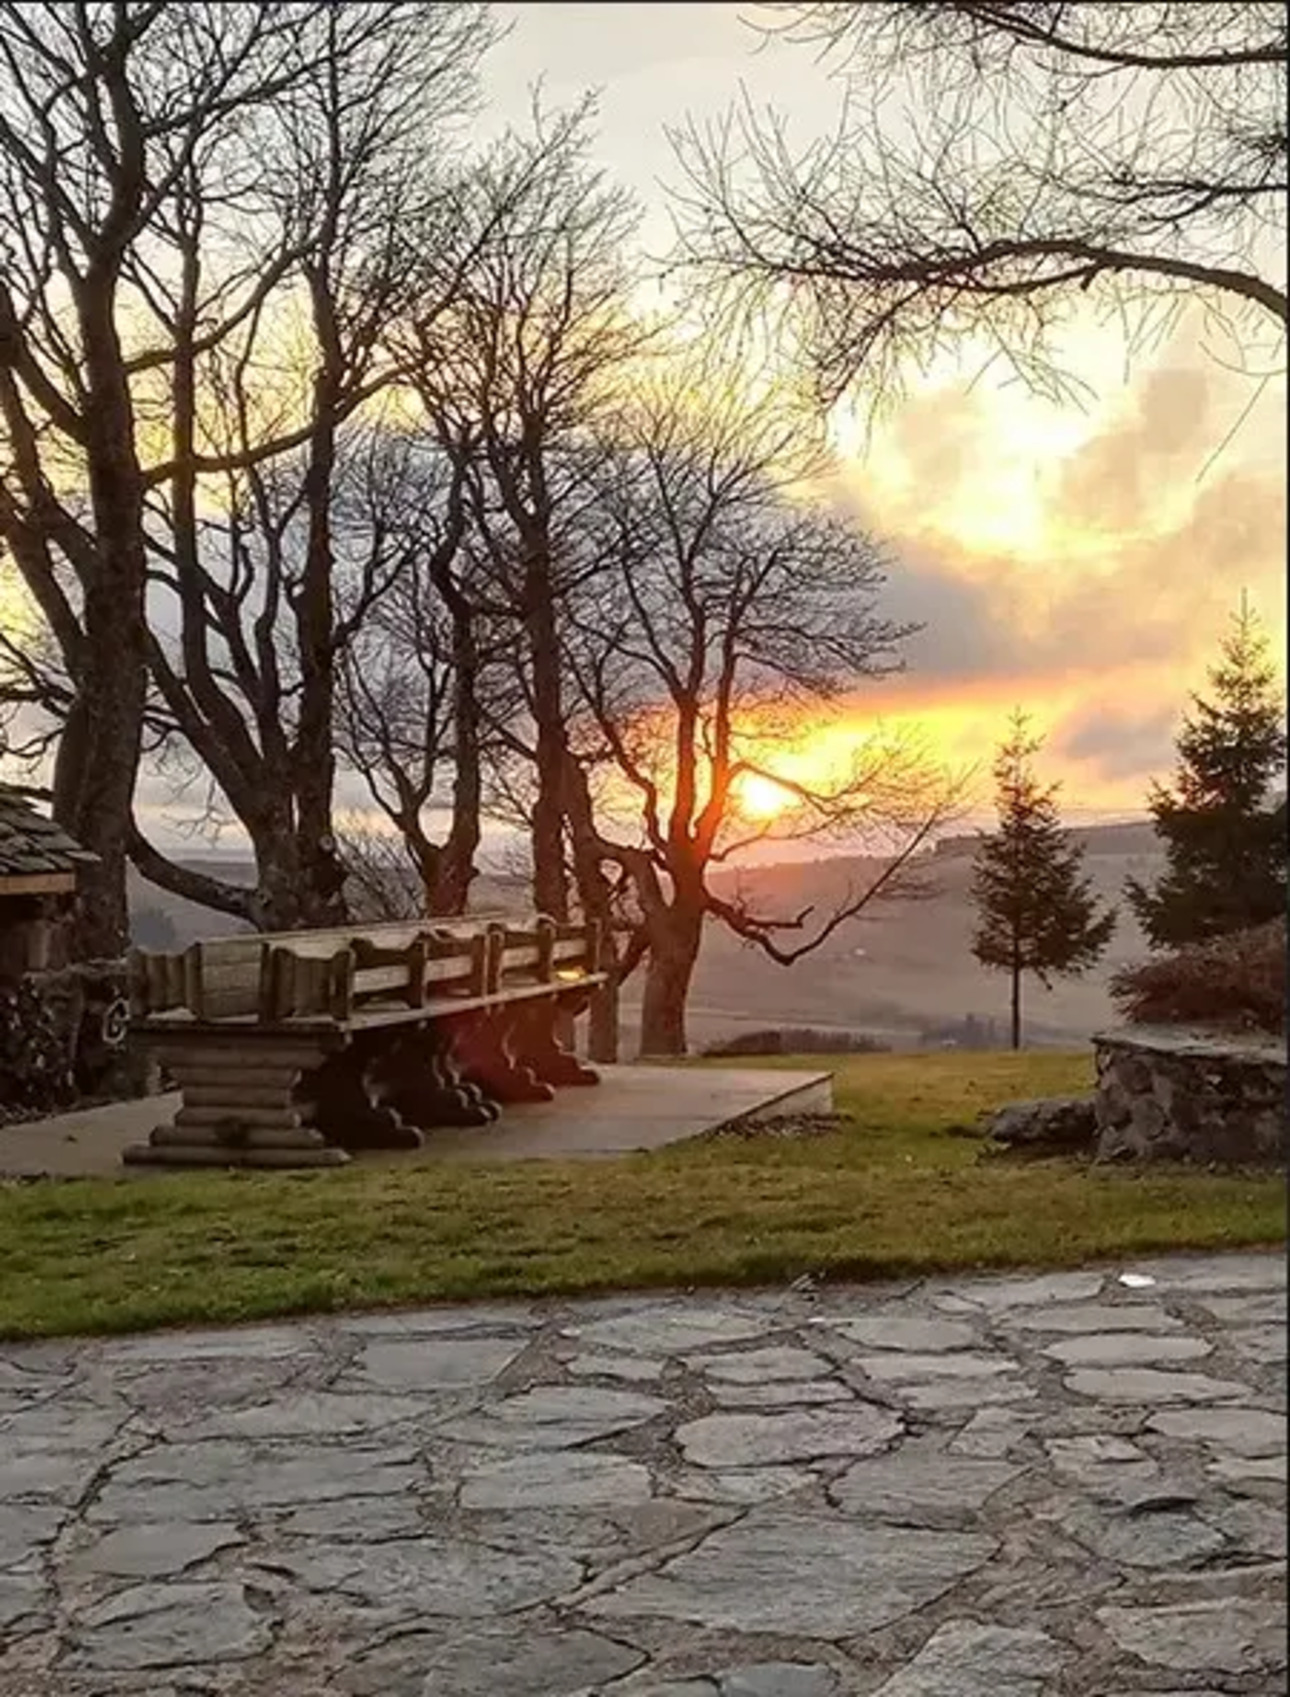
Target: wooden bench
x,y
295,1049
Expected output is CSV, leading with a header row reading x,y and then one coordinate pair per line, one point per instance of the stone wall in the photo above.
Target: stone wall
x,y
63,1038
1170,1094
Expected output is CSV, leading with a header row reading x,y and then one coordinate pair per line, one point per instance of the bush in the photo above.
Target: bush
x,y
1236,980
798,1040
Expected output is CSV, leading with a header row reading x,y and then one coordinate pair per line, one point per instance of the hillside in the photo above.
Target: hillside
x,y
900,971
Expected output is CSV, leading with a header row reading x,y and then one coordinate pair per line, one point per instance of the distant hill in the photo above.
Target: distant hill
x,y
902,971
1134,836
904,968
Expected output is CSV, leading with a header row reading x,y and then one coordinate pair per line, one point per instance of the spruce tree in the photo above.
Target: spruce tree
x,y
1036,911
1224,838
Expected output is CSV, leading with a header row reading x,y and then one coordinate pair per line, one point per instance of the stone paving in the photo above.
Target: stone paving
x,y
1071,1485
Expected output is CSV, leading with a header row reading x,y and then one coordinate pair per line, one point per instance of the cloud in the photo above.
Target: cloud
x,y
1083,569
1119,743
1161,436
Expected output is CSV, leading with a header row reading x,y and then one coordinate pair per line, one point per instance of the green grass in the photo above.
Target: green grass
x,y
899,1191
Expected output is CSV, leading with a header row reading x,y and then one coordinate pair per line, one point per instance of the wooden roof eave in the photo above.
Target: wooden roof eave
x,y
37,884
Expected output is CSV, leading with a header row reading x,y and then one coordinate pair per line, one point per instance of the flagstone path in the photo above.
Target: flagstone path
x,y
1071,1485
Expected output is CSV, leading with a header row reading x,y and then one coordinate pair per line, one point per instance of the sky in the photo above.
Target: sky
x,y
1078,563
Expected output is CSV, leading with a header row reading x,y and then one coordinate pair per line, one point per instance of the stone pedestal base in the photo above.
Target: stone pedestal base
x,y
241,1106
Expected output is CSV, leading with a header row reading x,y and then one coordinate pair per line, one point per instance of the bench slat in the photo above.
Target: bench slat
x,y
334,975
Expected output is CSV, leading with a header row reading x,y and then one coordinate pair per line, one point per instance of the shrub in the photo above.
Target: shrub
x,y
798,1040
1235,980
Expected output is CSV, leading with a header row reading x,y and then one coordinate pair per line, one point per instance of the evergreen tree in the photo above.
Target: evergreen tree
x,y
1225,840
1036,911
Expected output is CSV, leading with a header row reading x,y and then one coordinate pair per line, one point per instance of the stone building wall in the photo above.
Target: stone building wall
x,y
1165,1093
63,1038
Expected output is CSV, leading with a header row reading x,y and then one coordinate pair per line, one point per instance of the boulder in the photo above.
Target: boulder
x,y
1056,1124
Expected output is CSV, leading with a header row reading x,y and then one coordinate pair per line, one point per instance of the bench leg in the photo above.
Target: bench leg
x,y
240,1108
416,1076
483,1053
344,1100
536,1040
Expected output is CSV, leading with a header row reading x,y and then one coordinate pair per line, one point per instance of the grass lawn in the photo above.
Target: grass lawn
x,y
897,1192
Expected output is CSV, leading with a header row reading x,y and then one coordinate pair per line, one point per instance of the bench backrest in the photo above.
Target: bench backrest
x,y
332,974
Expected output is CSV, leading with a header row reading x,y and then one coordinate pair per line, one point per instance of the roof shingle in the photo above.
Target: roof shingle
x,y
31,844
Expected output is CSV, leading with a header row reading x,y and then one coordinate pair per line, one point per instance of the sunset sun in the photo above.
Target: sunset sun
x,y
762,798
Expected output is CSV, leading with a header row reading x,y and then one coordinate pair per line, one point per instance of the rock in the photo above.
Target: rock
x,y
1223,1273
436,1364
1126,1349
1235,1470
457,1577
227,1344
556,1417
749,1440
899,1369
934,1394
781,1394
1259,1343
992,1433
555,1479
56,1470
778,1679
1257,1309
963,1658
1142,1535
1254,1527
154,1550
635,1369
1056,1124
499,1660
919,1486
25,1601
1001,1295
1229,1635
663,1331
756,1366
1094,1317
161,1625
736,1486
1243,1431
219,1480
1148,1386
809,1575
315,1414
893,1331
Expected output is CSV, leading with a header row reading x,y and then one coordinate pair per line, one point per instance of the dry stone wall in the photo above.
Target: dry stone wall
x,y
1188,1095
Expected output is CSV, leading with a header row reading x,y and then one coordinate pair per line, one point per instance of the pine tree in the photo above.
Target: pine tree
x,y
1225,842
1036,911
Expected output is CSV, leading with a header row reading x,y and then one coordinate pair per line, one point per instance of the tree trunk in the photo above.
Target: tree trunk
x,y
1016,1005
95,778
550,880
322,876
455,870
674,939
602,1024
595,897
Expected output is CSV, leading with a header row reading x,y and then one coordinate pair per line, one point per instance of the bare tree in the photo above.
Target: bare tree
x,y
1133,154
420,675
524,363
208,211
725,618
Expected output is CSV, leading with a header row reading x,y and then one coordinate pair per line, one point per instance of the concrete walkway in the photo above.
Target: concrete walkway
x,y
633,1107
1071,1485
